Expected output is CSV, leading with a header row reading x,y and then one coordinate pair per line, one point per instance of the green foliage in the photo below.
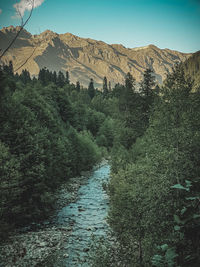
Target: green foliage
x,y
52,130
103,253
105,136
166,259
48,134
9,186
105,87
91,90
129,81
94,121
154,187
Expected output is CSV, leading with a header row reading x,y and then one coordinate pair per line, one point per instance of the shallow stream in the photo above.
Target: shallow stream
x,y
87,217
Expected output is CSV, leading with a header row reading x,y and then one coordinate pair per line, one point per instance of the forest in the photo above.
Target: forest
x,y
52,130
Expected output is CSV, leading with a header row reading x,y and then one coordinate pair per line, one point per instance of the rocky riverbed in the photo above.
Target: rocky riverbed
x,y
31,248
48,242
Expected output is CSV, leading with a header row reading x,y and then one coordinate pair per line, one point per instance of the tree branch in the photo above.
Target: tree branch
x,y
21,28
15,70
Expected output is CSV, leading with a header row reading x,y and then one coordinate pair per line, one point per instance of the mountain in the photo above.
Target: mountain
x,y
192,69
85,58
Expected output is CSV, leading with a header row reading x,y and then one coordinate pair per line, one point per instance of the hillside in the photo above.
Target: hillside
x,y
192,68
86,58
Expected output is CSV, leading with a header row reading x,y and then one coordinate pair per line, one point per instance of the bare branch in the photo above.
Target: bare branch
x,y
20,15
21,28
15,70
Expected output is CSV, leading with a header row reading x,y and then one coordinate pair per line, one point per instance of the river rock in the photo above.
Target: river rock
x,y
42,244
32,246
80,210
86,249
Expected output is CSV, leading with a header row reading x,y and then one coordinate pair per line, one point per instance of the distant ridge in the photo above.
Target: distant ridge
x,y
86,58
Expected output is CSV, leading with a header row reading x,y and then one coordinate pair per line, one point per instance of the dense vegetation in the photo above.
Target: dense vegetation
x,y
155,184
155,181
52,129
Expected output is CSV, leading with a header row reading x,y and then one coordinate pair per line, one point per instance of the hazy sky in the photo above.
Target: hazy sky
x,y
173,24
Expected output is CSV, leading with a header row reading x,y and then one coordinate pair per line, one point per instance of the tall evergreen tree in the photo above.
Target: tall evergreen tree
x,y
9,68
54,77
105,87
11,71
129,112
148,83
109,86
78,87
42,76
61,79
25,76
91,90
67,78
129,81
147,92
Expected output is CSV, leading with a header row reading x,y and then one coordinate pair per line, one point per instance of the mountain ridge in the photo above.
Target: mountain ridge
x,y
86,58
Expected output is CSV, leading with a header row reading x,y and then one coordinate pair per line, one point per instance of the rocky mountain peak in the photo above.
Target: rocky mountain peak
x,y
47,35
86,58
12,31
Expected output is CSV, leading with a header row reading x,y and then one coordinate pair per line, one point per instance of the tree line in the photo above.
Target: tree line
x,y
53,129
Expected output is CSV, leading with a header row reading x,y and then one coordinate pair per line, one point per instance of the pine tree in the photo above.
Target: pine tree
x,y
105,87
109,85
129,81
42,76
78,87
10,68
54,77
67,78
61,79
147,92
25,76
91,90
148,83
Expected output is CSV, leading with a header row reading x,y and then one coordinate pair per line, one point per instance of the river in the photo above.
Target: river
x,y
87,216
65,239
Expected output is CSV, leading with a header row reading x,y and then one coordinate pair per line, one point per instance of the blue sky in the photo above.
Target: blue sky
x,y
173,24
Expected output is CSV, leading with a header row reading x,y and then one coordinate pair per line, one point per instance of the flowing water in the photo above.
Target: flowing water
x,y
87,216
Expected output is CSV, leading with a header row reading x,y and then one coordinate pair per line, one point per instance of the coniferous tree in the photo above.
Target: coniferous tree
x,y
147,92
129,112
148,83
25,76
91,90
10,68
67,78
55,77
34,79
127,93
78,87
129,81
61,79
109,86
42,76
105,87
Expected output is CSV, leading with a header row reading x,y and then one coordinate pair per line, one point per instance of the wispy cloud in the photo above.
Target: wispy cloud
x,y
0,10
24,5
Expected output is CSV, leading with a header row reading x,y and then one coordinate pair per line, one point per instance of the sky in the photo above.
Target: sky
x,y
173,24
